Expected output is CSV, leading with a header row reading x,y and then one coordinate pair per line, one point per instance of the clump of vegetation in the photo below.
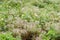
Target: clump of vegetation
x,y
30,19
6,36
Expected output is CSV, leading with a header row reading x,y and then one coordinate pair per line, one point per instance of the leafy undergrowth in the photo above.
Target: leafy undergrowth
x,y
29,19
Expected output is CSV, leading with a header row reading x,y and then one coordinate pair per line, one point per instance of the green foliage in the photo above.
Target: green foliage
x,y
50,35
31,12
6,36
3,17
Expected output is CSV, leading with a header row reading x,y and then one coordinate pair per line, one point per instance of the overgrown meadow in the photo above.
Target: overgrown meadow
x,y
29,19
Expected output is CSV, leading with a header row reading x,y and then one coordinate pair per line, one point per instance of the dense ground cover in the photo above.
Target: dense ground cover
x,y
29,19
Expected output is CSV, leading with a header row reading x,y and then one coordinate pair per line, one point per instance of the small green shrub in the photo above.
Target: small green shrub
x,y
50,35
6,36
